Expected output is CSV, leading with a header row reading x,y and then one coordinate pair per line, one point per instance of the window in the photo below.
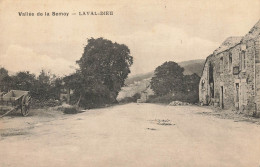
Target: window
x,y
221,65
202,84
243,60
211,80
230,62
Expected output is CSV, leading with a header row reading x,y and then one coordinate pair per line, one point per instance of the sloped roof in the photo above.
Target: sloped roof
x,y
253,33
228,43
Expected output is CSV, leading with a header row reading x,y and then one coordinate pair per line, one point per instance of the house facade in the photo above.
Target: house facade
x,y
231,74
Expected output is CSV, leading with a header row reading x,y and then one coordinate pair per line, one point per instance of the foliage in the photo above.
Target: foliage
x,y
47,86
70,110
166,99
3,73
40,103
5,80
24,81
44,89
104,66
191,82
169,84
256,114
191,87
131,99
167,78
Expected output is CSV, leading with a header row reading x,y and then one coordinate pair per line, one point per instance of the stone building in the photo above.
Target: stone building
x,y
231,74
145,94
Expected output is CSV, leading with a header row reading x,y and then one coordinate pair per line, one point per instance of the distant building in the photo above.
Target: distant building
x,y
143,98
65,93
231,75
145,94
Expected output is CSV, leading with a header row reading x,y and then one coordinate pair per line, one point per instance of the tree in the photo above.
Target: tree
x,y
47,86
23,81
169,84
3,79
191,83
104,66
167,78
3,73
74,82
191,87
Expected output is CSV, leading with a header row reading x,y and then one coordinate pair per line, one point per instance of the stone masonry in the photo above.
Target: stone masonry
x,y
231,75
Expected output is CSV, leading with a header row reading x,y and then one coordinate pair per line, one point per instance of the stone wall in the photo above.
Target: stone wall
x,y
257,74
204,85
239,91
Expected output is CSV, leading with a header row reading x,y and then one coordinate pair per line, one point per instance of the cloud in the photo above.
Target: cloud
x,y
149,48
155,31
163,43
19,58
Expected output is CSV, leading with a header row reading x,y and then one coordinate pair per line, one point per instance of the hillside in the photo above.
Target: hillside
x,y
190,67
193,66
139,83
138,77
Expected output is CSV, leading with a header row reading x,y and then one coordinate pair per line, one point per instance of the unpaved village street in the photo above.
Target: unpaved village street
x,y
135,135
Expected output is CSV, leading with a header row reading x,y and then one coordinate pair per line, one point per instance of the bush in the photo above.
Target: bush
x,y
256,114
44,103
166,99
127,100
70,110
131,99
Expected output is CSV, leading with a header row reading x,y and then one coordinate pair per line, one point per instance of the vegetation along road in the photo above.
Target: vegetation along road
x,y
128,135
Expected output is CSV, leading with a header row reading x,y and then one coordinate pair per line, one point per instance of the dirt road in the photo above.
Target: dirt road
x,y
129,135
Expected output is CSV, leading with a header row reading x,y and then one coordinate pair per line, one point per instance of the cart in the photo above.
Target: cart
x,y
15,100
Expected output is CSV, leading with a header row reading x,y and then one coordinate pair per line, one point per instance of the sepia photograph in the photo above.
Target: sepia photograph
x,y
127,83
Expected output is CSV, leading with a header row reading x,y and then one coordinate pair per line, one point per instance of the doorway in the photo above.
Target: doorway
x,y
237,96
222,97
211,80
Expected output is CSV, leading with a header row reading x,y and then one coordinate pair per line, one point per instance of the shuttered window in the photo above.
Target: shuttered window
x,y
242,59
221,65
230,65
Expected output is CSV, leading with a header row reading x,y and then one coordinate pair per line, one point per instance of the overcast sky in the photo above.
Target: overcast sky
x,y
155,31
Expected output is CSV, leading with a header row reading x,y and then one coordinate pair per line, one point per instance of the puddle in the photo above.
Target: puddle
x,y
164,122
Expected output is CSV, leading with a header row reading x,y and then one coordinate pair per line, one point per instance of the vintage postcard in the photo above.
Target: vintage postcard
x,y
115,83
